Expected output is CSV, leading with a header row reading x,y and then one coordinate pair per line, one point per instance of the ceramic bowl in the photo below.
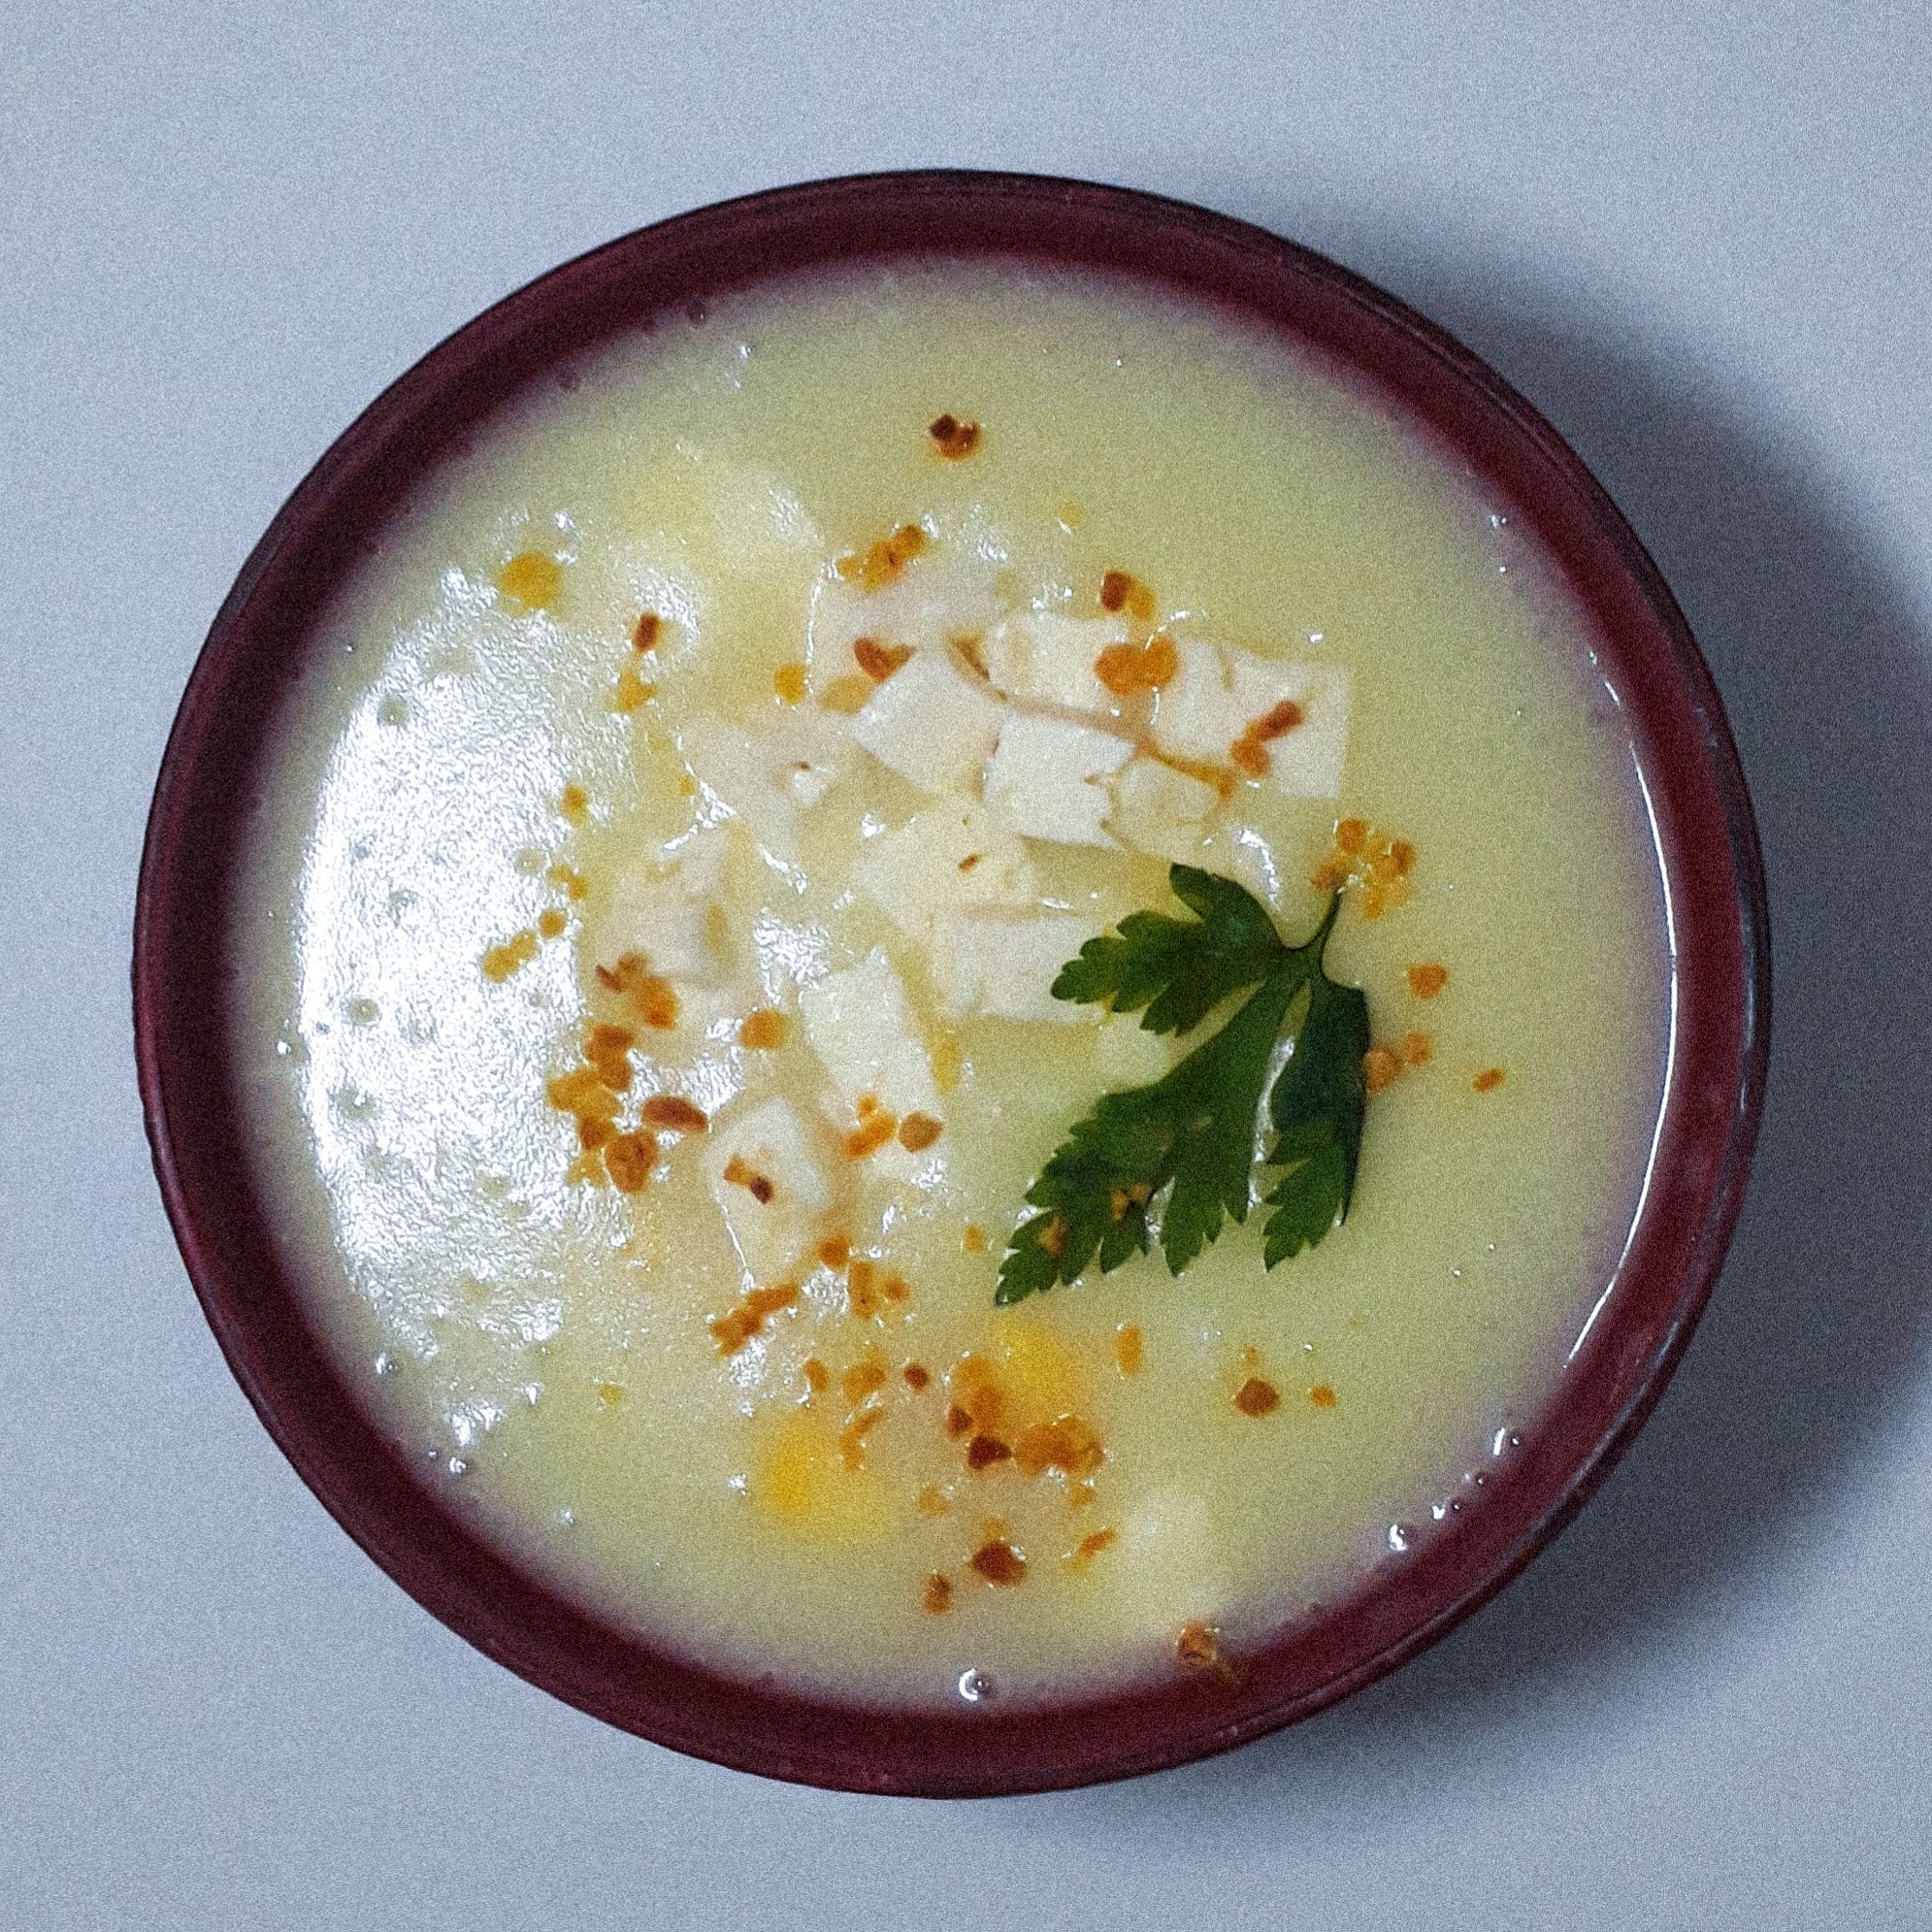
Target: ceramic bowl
x,y
1706,846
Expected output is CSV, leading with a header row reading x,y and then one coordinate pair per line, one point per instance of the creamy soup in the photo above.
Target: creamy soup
x,y
650,944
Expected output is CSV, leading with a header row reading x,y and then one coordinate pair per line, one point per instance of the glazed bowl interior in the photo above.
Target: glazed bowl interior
x,y
184,964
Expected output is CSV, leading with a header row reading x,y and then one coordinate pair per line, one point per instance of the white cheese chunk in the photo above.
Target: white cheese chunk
x,y
668,912
1160,810
765,778
1048,779
1003,965
1047,658
944,593
770,1145
861,1026
932,724
944,859
1218,693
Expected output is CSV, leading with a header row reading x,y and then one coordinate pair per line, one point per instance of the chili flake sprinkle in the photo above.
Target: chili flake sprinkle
x,y
574,803
956,440
871,1134
1091,1546
1379,1069
788,682
1418,1049
644,632
885,561
630,1158
550,923
916,1376
511,956
1379,866
737,1325
740,1173
918,1131
1488,1080
999,1563
675,1114
653,996
1121,592
631,693
936,1598
984,1451
972,1240
1426,981
1128,1348
1126,670
879,661
762,1031
1322,1395
1256,1397
532,578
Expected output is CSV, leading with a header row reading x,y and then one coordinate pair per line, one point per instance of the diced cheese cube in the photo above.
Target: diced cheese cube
x,y
757,776
943,594
932,724
861,1026
1218,693
1196,715
1003,965
668,912
771,1225
1306,762
1047,657
1160,810
1048,779
658,919
943,859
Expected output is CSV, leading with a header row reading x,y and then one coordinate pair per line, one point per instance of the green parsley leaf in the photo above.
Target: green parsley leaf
x,y
1180,969
1183,1147
1317,1108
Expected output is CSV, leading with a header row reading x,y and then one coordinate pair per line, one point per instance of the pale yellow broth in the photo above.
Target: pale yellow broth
x,y
544,1346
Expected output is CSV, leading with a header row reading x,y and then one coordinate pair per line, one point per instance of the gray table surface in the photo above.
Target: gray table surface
x,y
1696,234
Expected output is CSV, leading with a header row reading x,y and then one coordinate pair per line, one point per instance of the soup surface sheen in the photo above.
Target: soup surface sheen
x,y
509,808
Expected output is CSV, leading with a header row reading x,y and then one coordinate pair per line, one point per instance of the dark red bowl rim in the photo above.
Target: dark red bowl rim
x,y
190,1083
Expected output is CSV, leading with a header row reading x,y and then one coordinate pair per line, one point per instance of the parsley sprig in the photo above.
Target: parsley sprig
x,y
1182,1150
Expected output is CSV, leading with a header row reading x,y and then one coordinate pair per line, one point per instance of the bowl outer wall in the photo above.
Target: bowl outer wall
x,y
190,1081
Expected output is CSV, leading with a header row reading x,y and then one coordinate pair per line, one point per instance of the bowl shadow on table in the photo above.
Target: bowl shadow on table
x,y
1819,1330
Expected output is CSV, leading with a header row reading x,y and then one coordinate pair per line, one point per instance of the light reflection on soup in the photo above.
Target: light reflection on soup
x,y
649,935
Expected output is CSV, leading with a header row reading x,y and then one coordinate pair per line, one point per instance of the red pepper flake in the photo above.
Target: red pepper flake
x,y
1418,1049
1379,1068
1321,1396
818,1378
512,956
1488,1080
550,923
895,1288
835,1250
871,1134
956,440
762,1031
1090,1547
644,632
916,1376
733,1329
862,1379
630,1158
788,683
959,1422
1256,1397
938,1596
983,1451
999,1563
740,1173
852,1438
1128,1348
972,1240
1114,588
1068,1445
675,1114
884,560
918,1131
1426,981
879,661
1199,1647
1128,669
